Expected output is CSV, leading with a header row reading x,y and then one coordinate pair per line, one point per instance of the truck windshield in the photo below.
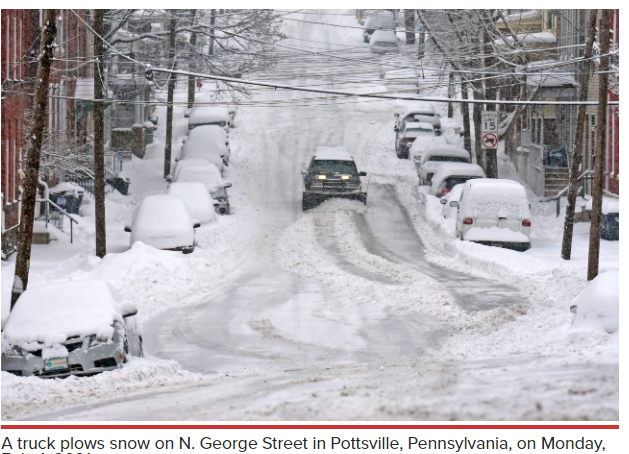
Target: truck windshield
x,y
331,166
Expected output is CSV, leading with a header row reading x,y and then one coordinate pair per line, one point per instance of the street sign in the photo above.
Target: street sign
x,y
489,141
489,122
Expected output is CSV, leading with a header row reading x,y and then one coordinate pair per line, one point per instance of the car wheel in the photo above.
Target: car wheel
x,y
125,351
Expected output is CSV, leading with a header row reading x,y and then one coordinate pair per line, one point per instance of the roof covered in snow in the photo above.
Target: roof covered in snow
x,y
380,21
54,312
448,169
446,150
333,154
208,174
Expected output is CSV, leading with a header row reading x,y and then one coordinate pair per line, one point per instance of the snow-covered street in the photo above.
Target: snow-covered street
x,y
343,312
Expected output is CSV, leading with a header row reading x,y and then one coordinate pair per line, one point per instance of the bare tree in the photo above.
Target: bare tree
x,y
601,145
33,150
171,92
192,63
575,154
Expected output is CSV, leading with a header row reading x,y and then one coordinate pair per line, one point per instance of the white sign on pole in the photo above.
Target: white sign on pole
x,y
489,122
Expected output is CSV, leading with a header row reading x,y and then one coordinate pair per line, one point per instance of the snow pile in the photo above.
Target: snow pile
x,y
70,189
140,376
52,313
597,305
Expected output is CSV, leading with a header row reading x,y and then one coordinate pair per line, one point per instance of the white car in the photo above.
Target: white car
x,y
210,177
197,200
408,134
421,144
449,175
494,212
434,157
79,327
451,203
202,144
163,221
209,115
419,111
378,22
383,42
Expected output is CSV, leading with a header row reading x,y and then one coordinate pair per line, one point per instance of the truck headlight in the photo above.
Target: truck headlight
x,y
346,177
321,177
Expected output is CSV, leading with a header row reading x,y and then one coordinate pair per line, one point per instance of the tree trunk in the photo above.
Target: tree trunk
x,y
192,62
575,161
33,152
409,22
450,94
601,145
170,97
99,136
212,22
465,109
477,117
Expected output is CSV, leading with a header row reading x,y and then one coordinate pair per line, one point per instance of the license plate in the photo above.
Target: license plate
x,y
61,201
56,363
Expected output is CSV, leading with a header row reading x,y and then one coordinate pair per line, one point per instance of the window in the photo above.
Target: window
x,y
8,41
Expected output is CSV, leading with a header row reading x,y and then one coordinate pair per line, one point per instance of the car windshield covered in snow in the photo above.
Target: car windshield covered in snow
x,y
333,166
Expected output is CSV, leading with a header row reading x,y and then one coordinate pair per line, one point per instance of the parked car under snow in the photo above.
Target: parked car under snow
x,y
434,157
494,212
383,42
79,327
449,175
209,176
209,115
202,144
163,221
197,200
411,131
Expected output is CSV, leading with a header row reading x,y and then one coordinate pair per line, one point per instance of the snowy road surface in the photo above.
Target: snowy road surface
x,y
346,311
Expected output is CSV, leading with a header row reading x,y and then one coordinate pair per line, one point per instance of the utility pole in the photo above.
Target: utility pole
x,y
33,152
451,94
99,135
601,145
171,94
491,156
409,23
575,154
192,62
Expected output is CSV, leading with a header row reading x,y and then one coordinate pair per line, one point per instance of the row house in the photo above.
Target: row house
x,y
20,29
541,141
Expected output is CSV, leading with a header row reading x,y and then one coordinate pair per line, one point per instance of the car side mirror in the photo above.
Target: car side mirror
x,y
169,178
127,229
443,201
396,129
215,202
362,174
454,204
195,224
223,155
227,184
396,115
176,159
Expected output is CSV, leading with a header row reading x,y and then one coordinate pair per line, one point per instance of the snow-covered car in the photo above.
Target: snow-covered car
x,y
449,175
79,327
494,212
202,144
421,144
379,22
210,177
383,42
405,80
451,202
216,134
410,131
434,157
197,199
421,112
332,173
163,221
208,115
